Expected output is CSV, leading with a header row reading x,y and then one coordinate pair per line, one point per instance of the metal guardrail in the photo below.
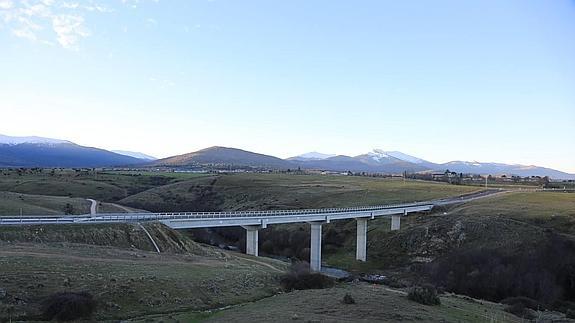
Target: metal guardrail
x,y
139,217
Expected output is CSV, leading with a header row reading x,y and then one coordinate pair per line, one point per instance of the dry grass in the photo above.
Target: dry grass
x,y
126,279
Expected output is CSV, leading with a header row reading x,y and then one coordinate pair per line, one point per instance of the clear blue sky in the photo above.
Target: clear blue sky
x,y
489,80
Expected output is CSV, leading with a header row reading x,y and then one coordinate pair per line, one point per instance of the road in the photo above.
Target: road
x,y
468,197
186,220
93,207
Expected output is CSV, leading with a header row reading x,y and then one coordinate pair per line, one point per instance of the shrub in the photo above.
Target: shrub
x,y
425,294
518,309
564,306
347,299
68,306
525,301
544,272
299,277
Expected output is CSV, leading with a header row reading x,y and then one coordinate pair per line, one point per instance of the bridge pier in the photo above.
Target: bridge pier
x,y
361,246
315,247
252,239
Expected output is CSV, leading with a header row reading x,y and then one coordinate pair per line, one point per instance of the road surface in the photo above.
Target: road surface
x,y
93,207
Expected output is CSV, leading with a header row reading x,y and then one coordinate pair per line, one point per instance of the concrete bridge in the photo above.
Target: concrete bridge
x,y
251,221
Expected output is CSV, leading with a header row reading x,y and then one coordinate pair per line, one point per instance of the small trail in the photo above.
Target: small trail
x,y
260,263
93,207
150,237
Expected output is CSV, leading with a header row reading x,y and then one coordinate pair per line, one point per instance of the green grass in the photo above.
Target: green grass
x,y
502,221
280,191
374,303
106,186
545,209
13,203
166,191
115,264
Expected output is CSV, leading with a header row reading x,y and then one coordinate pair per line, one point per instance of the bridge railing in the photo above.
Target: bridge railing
x,y
137,217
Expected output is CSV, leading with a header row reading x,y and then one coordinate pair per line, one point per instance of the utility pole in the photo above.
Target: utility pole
x,y
486,181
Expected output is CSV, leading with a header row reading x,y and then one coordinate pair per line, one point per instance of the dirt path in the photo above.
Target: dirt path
x,y
93,206
260,263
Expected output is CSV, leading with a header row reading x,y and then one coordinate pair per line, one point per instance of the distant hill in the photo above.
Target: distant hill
x,y
374,161
311,156
499,168
47,152
222,157
382,161
134,154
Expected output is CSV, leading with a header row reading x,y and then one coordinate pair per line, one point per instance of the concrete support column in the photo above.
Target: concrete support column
x,y
315,247
395,222
252,239
361,251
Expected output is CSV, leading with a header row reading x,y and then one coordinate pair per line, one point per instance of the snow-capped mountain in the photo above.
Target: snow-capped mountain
x,y
134,154
48,152
10,140
378,155
476,167
314,155
376,160
405,157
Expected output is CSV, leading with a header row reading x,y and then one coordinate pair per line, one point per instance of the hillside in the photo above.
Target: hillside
x,y
116,264
60,155
374,303
499,168
14,203
280,191
101,186
224,157
47,152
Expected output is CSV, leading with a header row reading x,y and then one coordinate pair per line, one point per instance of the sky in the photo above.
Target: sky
x,y
490,81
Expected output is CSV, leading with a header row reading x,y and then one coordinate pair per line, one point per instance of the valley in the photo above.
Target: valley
x,y
418,253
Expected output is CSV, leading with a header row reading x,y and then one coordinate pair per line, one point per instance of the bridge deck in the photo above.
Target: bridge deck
x,y
181,220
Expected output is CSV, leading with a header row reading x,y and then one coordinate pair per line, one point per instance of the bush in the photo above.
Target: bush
x,y
299,277
68,306
347,299
544,272
565,307
518,309
425,294
525,301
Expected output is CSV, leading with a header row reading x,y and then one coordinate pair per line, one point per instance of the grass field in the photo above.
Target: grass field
x,y
118,265
545,209
502,221
105,186
279,191
126,278
374,303
12,203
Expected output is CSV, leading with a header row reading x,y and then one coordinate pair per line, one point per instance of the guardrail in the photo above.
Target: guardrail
x,y
139,217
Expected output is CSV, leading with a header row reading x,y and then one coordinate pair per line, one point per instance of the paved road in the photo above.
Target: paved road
x,y
468,197
93,206
241,218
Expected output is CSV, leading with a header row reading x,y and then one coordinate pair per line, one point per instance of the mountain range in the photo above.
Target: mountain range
x,y
47,152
